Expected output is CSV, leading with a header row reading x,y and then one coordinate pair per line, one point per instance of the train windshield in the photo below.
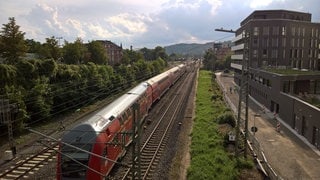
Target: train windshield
x,y
74,162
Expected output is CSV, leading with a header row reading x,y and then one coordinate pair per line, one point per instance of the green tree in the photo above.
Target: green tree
x,y
50,49
33,46
174,57
132,56
160,52
98,54
74,53
38,101
148,54
127,73
12,43
142,70
27,73
48,68
227,62
8,76
125,57
209,60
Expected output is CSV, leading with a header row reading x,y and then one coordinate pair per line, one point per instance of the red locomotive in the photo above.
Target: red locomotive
x,y
83,147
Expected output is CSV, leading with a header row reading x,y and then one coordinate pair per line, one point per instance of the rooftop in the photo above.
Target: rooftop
x,y
292,71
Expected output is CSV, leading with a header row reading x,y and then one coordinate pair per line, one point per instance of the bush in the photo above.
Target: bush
x,y
216,97
226,118
245,163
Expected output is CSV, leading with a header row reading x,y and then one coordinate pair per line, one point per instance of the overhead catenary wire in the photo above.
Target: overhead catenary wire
x,y
78,162
75,105
75,147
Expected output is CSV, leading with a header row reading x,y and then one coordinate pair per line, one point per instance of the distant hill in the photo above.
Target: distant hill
x,y
188,49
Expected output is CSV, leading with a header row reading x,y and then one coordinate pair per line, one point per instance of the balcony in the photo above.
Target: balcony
x,y
237,38
237,56
236,66
237,47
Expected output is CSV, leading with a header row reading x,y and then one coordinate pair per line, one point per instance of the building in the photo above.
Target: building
x,y
114,52
282,49
222,50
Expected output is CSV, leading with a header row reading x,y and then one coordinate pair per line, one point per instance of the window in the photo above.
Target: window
x,y
265,42
256,31
310,53
302,44
268,83
292,42
275,30
254,53
274,53
293,31
303,31
298,31
274,42
265,30
298,42
284,54
283,31
295,53
286,86
312,32
255,42
264,53
283,42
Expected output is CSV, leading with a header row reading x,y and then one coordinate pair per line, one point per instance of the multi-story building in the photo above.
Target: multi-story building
x,y
114,52
281,50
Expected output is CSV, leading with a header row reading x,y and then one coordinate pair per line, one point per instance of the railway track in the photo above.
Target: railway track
x,y
155,142
26,168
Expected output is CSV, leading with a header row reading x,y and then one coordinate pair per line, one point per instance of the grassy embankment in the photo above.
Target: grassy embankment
x,y
209,158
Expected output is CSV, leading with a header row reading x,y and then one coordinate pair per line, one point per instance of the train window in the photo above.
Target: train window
x,y
111,118
129,113
121,119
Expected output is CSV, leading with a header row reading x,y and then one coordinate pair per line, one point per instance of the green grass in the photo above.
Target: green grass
x,y
209,160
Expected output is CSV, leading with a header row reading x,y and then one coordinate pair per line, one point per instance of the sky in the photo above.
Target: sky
x,y
139,23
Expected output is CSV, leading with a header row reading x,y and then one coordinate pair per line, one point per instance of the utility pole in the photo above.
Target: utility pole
x,y
136,134
243,92
8,111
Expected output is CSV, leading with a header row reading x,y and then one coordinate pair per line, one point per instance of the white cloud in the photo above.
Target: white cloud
x,y
98,32
263,3
215,4
76,27
128,23
140,22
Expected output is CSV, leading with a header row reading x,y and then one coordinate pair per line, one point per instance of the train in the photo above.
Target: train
x,y
91,149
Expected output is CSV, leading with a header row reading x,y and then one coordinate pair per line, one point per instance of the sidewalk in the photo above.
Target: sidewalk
x,y
289,154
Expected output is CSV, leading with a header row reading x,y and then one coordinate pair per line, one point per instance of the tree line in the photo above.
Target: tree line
x,y
54,79
211,63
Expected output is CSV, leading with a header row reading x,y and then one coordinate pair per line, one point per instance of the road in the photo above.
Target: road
x,y
288,153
